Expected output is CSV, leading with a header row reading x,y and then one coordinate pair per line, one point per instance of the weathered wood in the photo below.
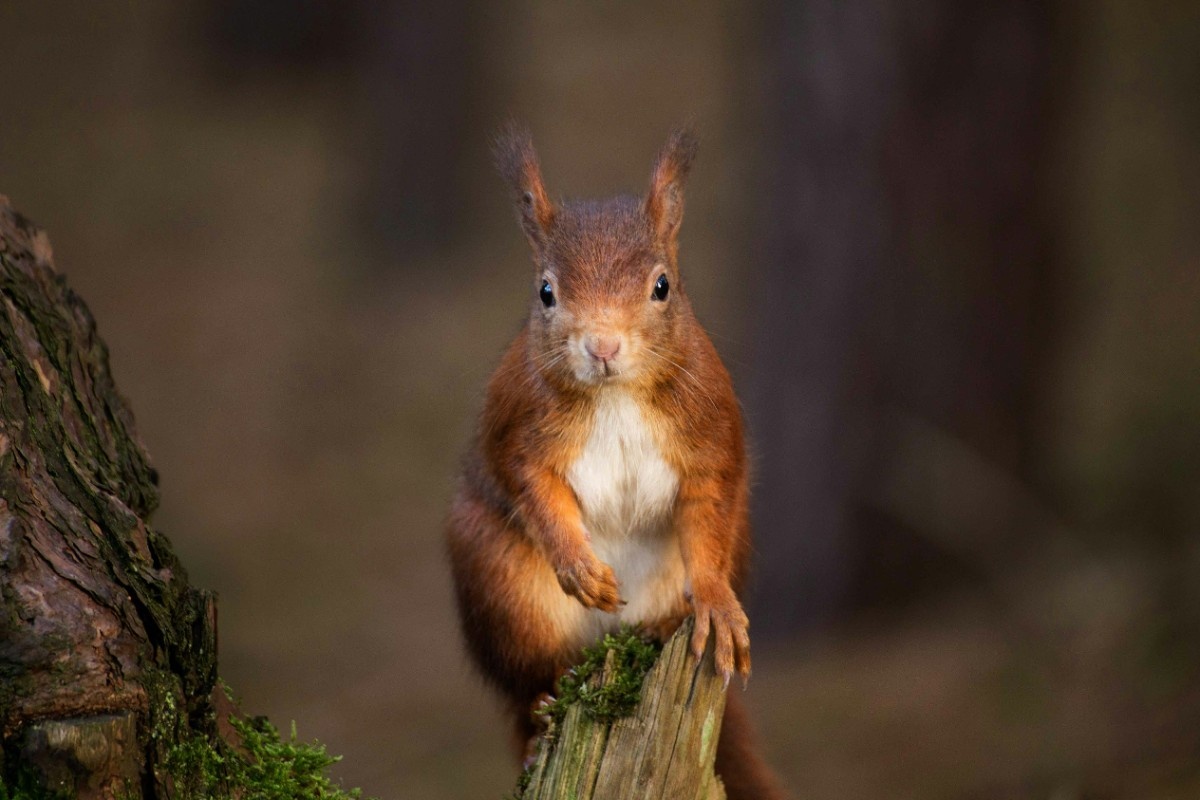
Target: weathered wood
x,y
665,749
97,756
107,655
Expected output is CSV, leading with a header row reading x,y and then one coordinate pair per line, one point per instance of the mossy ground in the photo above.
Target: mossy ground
x,y
261,766
265,767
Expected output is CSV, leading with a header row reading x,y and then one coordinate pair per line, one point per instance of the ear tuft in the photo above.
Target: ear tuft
x,y
518,164
664,203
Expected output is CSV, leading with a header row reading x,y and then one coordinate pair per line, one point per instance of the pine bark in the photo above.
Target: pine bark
x,y
106,652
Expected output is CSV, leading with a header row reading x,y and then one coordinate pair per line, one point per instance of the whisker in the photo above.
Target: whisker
x,y
682,369
527,377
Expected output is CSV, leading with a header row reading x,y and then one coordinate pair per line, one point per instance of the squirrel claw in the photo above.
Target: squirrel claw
x,y
539,709
731,643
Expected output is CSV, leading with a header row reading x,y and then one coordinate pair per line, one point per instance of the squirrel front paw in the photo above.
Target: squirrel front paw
x,y
723,615
590,581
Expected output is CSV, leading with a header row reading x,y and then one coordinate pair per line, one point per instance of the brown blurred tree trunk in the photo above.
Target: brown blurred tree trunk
x,y
107,655
907,278
421,88
410,74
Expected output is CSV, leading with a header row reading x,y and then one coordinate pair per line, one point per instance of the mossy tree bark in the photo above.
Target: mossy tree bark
x,y
666,748
107,655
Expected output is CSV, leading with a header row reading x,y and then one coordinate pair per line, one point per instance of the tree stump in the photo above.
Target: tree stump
x,y
664,749
107,655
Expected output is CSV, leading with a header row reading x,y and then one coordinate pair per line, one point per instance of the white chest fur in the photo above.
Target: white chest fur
x,y
626,491
625,488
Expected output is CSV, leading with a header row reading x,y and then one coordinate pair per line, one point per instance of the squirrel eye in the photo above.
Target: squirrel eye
x,y
661,288
547,294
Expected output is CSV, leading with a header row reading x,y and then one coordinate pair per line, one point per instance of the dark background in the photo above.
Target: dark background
x,y
948,250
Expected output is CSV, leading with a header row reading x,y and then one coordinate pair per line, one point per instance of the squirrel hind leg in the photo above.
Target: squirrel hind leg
x,y
530,721
524,733
528,726
539,724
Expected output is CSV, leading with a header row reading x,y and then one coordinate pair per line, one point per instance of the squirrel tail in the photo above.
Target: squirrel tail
x,y
739,766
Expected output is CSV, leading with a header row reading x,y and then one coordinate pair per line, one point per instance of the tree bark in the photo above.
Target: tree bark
x,y
666,748
107,655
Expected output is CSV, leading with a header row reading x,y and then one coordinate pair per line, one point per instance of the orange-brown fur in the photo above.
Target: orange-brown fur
x,y
518,542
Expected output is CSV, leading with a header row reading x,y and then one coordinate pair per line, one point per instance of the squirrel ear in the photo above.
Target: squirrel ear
x,y
664,203
518,163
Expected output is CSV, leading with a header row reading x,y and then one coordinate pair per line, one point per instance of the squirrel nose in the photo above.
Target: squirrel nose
x,y
603,348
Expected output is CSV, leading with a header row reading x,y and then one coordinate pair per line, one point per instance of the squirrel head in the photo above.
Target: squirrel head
x,y
607,303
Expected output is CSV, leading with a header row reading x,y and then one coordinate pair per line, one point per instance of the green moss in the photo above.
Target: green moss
x,y
24,785
632,657
619,696
165,698
264,766
522,784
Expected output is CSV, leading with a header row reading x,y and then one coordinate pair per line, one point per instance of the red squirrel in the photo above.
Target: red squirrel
x,y
607,484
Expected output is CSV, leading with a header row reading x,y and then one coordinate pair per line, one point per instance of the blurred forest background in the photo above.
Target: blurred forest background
x,y
949,251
